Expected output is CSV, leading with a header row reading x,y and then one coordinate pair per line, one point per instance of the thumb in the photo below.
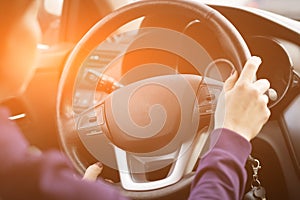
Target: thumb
x,y
230,82
93,171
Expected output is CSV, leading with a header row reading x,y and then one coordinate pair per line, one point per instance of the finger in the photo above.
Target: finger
x,y
108,180
248,73
262,85
265,98
229,83
268,114
33,150
93,171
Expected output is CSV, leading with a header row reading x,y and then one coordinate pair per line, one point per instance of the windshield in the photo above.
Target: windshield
x,y
51,11
49,17
287,8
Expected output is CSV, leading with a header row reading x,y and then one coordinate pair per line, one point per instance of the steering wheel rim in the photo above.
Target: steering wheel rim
x,y
231,40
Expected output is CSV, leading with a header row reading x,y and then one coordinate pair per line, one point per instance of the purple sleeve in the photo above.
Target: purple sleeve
x,y
24,175
221,173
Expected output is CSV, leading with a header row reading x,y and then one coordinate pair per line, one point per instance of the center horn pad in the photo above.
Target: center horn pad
x,y
148,115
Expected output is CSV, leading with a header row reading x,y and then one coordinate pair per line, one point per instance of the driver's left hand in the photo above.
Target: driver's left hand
x,y
93,171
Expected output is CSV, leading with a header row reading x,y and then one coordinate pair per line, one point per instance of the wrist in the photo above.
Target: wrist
x,y
240,131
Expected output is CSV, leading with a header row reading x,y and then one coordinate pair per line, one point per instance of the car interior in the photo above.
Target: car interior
x,y
92,49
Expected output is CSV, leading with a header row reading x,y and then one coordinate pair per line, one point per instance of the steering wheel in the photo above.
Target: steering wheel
x,y
166,137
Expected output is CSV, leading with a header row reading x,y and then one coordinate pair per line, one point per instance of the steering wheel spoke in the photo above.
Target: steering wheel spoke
x,y
133,169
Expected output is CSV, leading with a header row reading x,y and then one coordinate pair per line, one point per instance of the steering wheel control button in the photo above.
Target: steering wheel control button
x,y
209,94
91,123
210,97
93,119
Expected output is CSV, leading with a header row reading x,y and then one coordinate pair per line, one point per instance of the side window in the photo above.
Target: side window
x,y
50,19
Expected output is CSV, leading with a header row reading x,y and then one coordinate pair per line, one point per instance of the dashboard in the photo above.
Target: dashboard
x,y
275,39
271,38
279,52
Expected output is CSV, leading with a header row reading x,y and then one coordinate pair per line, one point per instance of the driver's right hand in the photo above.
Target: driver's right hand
x,y
244,102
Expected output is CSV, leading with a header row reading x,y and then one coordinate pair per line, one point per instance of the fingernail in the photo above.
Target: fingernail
x,y
100,165
256,60
108,180
33,150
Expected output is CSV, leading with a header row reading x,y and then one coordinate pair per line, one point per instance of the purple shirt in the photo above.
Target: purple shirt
x,y
221,173
23,175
